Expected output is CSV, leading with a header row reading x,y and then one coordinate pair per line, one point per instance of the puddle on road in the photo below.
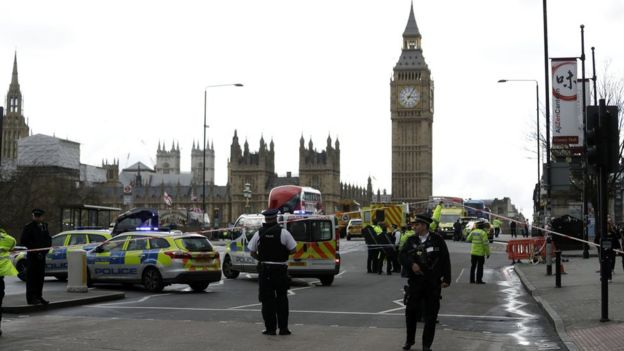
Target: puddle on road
x,y
526,326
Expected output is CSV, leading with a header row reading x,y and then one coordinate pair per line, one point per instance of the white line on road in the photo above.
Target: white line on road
x,y
460,274
299,311
243,306
137,301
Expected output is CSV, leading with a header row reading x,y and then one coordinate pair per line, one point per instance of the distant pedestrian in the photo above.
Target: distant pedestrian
x,y
525,232
386,253
496,223
7,243
397,241
36,236
457,230
512,228
479,250
271,245
370,238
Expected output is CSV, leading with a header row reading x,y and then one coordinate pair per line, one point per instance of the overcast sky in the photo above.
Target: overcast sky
x,y
118,76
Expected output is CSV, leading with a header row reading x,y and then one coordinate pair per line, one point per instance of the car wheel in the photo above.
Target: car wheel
x,y
228,272
21,270
61,277
327,280
199,287
152,280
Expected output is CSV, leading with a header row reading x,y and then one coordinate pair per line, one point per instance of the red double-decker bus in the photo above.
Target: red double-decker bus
x,y
296,199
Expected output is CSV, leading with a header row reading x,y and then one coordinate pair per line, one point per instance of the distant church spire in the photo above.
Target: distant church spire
x,y
14,77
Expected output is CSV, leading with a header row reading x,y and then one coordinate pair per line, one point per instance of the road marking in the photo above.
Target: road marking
x,y
137,301
243,306
460,274
298,311
341,273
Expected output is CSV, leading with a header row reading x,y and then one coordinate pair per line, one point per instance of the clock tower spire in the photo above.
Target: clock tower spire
x,y
411,106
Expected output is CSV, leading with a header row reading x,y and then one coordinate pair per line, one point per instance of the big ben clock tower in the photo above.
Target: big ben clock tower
x,y
411,106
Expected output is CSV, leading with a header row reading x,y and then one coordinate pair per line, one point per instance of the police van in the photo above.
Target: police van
x,y
316,254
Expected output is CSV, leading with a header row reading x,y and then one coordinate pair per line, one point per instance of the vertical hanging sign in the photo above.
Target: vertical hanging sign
x,y
566,126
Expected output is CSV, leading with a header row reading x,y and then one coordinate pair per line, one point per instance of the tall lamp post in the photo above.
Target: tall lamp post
x,y
204,144
247,196
538,124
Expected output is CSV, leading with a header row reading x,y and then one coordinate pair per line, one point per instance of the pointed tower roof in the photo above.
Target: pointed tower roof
x,y
14,80
411,29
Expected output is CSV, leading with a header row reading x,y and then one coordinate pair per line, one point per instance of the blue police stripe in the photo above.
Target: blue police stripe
x,y
150,256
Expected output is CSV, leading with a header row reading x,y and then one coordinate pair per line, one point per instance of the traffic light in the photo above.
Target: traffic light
x,y
612,138
603,137
596,153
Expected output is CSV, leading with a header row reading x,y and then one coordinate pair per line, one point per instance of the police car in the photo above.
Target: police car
x,y
155,259
316,255
56,260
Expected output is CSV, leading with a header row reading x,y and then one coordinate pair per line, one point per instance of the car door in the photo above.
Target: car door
x,y
57,255
322,246
135,253
301,234
108,258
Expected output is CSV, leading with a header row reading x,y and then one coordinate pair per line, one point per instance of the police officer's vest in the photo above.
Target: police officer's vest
x,y
7,243
270,247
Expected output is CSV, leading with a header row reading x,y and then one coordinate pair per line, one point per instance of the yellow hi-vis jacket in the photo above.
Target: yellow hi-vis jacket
x,y
404,237
480,242
7,243
435,218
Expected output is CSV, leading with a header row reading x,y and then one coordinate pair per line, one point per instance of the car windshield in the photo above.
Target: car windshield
x,y
195,243
448,218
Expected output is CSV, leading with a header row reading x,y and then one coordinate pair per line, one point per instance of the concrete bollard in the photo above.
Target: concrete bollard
x,y
77,271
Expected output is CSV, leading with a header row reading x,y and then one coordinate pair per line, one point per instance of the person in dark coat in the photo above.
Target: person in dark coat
x,y
512,228
457,230
36,236
387,251
371,247
427,265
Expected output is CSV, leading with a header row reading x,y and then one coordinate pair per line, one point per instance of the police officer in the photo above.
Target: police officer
x,y
479,250
427,265
7,243
371,247
36,236
271,246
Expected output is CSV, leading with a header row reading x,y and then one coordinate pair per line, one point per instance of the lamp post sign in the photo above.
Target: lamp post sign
x,y
567,126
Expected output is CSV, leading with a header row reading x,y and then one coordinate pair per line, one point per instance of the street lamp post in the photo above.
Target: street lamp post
x,y
204,144
247,195
538,124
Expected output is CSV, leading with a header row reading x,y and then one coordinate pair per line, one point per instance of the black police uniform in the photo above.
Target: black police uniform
x,y
422,294
34,236
371,245
273,278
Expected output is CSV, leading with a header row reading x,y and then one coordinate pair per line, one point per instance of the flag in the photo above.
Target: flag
x,y
167,198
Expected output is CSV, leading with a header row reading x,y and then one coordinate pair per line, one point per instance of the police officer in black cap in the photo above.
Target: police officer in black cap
x,y
36,236
427,265
271,246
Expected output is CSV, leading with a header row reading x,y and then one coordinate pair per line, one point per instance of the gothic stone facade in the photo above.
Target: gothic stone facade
x,y
14,125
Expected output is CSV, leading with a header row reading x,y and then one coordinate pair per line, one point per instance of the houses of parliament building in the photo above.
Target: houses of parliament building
x,y
140,185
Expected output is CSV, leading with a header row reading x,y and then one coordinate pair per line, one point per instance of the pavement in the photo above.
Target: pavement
x,y
575,308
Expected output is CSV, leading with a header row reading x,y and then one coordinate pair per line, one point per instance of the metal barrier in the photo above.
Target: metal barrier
x,y
532,249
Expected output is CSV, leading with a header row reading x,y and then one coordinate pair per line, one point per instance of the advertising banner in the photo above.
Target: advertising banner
x,y
567,126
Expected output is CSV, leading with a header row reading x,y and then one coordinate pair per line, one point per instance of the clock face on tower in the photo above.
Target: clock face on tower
x,y
409,97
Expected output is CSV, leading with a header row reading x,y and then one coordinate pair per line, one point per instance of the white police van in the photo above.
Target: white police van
x,y
316,254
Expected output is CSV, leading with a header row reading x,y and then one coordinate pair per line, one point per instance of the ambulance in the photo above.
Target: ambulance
x,y
316,255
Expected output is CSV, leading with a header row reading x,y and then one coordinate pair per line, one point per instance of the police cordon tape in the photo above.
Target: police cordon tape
x,y
540,228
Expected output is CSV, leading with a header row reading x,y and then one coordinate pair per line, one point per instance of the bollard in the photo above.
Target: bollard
x,y
77,271
548,255
558,268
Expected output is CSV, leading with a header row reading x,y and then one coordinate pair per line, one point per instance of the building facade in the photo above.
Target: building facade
x,y
14,125
411,106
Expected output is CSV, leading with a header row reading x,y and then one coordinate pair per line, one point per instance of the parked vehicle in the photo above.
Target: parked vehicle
x,y
354,228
